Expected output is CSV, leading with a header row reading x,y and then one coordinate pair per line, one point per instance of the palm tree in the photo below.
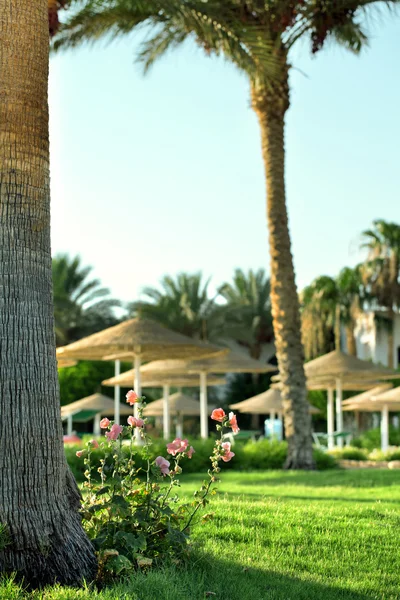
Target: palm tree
x,y
248,318
182,304
257,36
381,272
39,500
81,306
328,303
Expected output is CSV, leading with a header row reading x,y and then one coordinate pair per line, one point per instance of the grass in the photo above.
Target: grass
x,y
280,536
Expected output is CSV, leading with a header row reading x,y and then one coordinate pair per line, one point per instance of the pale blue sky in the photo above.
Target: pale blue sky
x,y
163,173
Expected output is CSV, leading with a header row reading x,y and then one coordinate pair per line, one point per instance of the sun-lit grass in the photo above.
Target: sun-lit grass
x,y
281,536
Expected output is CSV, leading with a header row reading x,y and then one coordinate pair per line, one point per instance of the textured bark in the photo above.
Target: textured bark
x,y
270,106
39,499
351,340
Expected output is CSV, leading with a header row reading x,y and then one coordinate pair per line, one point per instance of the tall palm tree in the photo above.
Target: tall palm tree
x,y
381,272
257,36
182,304
81,305
248,318
352,296
39,499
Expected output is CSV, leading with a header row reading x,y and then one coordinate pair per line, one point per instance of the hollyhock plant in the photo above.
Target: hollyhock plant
x,y
233,422
177,446
114,432
132,397
135,422
227,454
164,465
133,500
218,414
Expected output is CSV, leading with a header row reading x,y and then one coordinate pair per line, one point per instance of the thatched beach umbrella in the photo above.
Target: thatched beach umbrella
x,y
336,369
230,363
95,406
377,400
164,381
63,363
269,401
180,405
139,340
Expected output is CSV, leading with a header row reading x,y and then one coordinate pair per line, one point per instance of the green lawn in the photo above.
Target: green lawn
x,y
283,536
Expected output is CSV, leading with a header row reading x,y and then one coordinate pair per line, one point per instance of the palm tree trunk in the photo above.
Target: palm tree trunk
x,y
270,108
391,316
351,339
337,328
39,499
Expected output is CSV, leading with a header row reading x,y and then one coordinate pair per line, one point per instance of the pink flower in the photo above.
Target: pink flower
x,y
114,432
218,414
226,457
132,397
163,464
233,422
190,452
177,446
135,422
104,423
80,453
94,443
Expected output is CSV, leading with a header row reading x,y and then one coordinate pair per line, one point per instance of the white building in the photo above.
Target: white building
x,y
371,333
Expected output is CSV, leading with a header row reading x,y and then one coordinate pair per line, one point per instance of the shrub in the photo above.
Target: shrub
x,y
372,438
349,453
388,455
130,509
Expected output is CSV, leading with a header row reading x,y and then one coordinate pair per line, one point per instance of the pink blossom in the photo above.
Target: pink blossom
x,y
163,464
104,423
114,432
132,397
177,446
135,422
80,453
190,452
226,457
233,422
94,443
218,414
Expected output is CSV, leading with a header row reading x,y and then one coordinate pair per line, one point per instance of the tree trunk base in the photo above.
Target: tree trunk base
x,y
302,461
62,555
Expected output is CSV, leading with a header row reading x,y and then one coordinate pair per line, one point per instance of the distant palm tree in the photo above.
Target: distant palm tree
x,y
257,37
81,305
381,272
327,303
248,318
182,304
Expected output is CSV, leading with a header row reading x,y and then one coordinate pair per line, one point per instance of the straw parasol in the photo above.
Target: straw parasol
x,y
164,381
269,401
139,340
230,363
180,405
337,369
96,406
378,399
63,363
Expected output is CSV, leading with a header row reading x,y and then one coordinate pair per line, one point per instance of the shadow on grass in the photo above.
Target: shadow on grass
x,y
351,478
283,496
222,580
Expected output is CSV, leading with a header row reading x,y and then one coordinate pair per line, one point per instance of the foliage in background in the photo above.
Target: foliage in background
x,y
372,438
81,305
248,456
84,379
